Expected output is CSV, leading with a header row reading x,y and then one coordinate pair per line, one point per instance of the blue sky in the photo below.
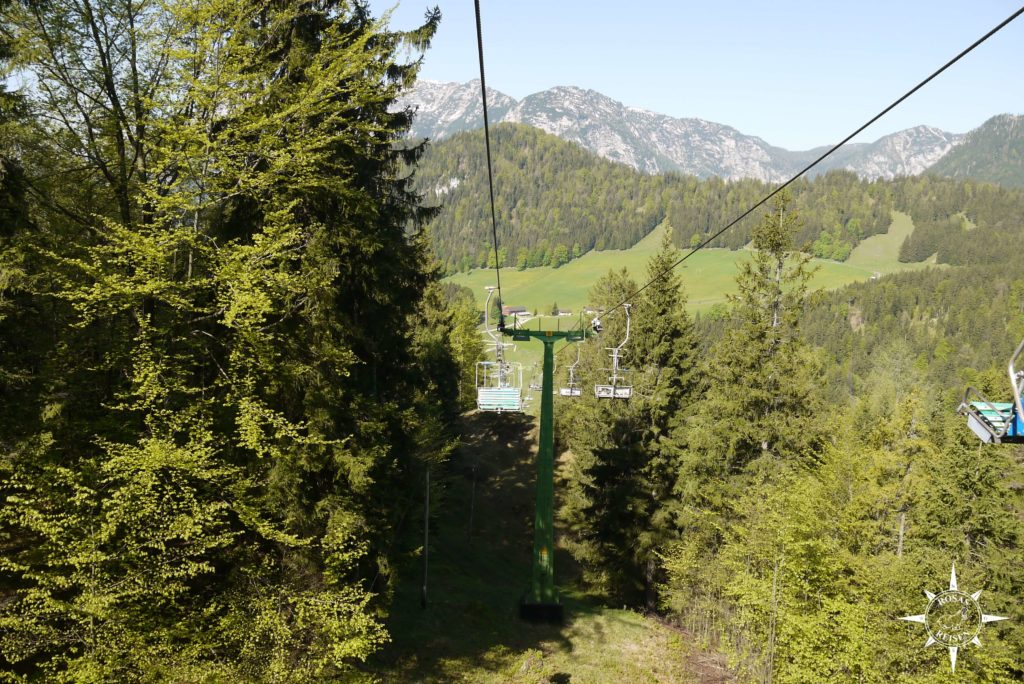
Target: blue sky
x,y
796,73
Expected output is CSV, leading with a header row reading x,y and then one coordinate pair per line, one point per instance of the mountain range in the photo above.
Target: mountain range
x,y
656,143
993,152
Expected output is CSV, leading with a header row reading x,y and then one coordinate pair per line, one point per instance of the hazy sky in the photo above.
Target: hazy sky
x,y
796,73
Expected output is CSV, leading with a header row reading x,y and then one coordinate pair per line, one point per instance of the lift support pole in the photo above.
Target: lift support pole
x,y
541,603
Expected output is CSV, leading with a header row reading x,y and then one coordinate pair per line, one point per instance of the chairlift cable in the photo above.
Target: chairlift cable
x,y
817,161
490,172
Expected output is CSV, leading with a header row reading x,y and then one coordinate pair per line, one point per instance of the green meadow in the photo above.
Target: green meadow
x,y
708,276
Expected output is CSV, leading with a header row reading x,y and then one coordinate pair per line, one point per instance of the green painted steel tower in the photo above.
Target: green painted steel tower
x,y
541,603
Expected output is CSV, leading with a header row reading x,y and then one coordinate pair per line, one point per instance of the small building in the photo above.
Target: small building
x,y
513,310
590,311
564,312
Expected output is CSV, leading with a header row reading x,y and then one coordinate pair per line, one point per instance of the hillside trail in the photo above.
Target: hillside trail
x,y
479,566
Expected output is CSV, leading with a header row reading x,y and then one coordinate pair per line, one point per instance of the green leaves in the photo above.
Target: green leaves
x,y
233,399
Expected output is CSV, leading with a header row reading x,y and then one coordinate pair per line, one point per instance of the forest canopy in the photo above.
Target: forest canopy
x,y
555,201
215,406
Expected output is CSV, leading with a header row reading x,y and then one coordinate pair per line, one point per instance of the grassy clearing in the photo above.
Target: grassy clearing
x,y
470,631
880,253
708,276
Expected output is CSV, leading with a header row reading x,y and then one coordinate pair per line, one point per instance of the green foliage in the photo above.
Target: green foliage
x,y
961,222
929,237
448,345
245,358
554,194
831,246
812,566
618,502
761,372
225,368
991,153
802,571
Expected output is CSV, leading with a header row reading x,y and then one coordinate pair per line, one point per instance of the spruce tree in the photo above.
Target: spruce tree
x,y
624,468
760,418
601,504
762,403
667,348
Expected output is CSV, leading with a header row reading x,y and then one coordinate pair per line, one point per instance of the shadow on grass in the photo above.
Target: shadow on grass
x,y
479,565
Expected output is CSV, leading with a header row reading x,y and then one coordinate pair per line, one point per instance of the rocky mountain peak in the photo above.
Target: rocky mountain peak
x,y
655,143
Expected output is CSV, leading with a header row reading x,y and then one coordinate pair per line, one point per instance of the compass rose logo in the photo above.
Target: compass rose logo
x,y
953,618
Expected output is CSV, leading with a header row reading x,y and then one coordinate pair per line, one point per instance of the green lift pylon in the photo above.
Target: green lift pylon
x,y
541,604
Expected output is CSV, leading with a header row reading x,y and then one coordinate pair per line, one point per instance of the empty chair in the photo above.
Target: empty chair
x,y
499,383
618,386
572,387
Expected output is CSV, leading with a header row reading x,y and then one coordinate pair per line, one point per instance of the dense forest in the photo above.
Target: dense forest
x,y
554,198
232,380
556,201
791,474
217,413
993,152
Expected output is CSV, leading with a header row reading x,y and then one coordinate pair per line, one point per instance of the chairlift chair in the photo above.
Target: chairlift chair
x,y
997,422
535,379
617,387
499,383
499,386
572,388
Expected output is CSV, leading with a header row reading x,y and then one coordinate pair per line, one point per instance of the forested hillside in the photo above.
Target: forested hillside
x,y
946,214
993,153
556,201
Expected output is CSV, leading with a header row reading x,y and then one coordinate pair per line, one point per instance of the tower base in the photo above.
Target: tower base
x,y
547,613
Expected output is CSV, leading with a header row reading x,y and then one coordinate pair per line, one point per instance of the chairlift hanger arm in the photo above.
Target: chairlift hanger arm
x,y
626,307
572,368
1015,378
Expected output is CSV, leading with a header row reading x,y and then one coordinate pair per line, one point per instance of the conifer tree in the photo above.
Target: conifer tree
x,y
762,401
666,346
666,340
21,329
759,418
621,487
215,487
602,505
